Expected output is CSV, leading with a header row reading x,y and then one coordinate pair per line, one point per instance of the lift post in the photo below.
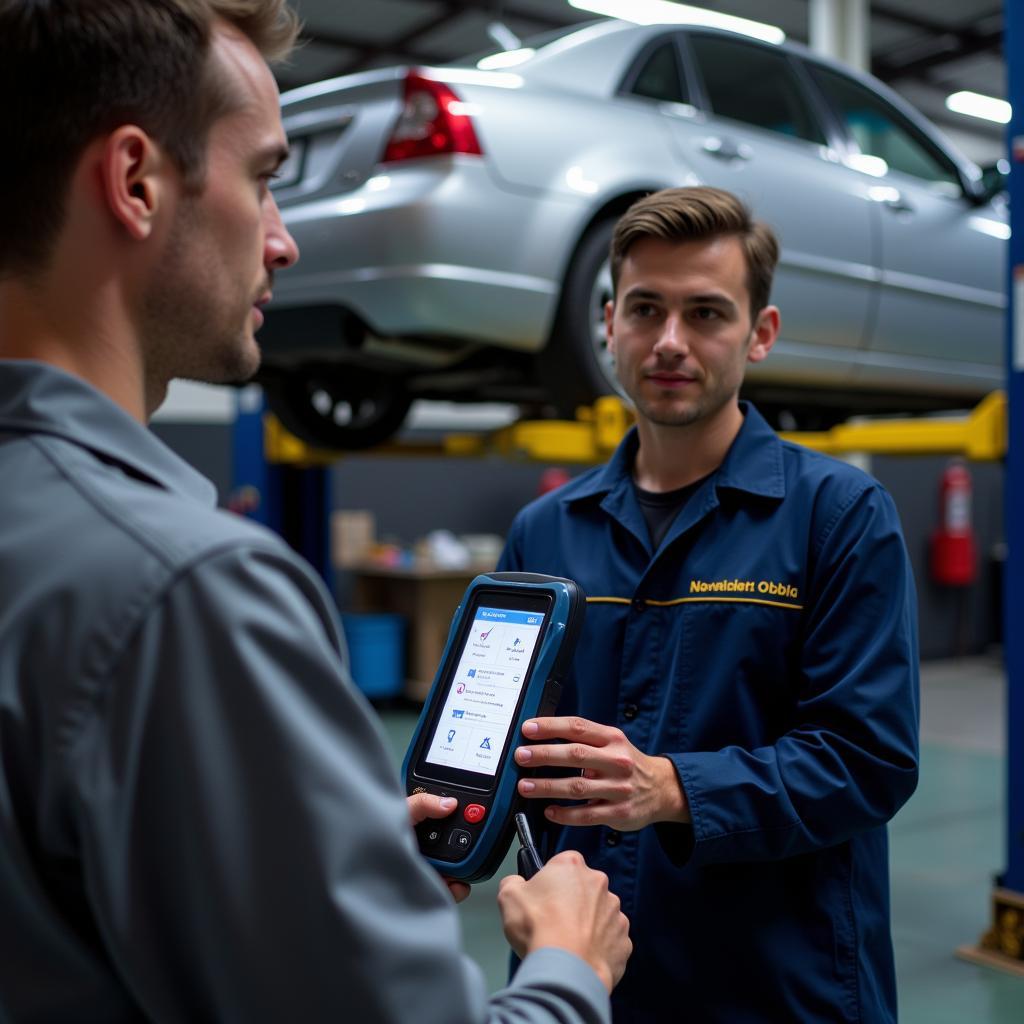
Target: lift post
x,y
281,483
1003,944
1013,879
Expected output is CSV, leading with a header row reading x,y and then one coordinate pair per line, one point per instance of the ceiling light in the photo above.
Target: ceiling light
x,y
973,104
662,12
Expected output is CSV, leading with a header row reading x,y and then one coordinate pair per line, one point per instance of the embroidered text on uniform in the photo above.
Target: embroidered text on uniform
x,y
736,586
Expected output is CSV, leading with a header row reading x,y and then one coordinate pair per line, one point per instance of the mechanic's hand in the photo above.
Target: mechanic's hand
x,y
567,905
624,788
426,805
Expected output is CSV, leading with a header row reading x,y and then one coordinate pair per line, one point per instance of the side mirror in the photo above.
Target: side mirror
x,y
994,179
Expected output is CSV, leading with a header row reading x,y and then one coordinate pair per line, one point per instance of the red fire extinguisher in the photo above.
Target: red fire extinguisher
x,y
954,554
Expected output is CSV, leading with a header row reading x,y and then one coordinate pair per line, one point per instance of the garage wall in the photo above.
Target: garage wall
x,y
953,621
410,496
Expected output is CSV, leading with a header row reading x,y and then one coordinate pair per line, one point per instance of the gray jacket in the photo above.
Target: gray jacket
x,y
199,820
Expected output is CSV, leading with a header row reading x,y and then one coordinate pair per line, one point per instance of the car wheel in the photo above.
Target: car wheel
x,y
575,365
338,407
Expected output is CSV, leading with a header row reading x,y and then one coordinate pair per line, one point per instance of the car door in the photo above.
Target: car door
x,y
757,133
941,306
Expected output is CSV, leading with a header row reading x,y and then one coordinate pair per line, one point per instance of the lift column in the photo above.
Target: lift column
x,y
1013,45
1003,944
281,483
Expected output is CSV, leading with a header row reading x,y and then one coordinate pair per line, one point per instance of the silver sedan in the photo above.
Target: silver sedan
x,y
454,226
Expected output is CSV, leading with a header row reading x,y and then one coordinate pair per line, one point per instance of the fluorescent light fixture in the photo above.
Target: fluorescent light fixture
x,y
664,12
506,59
973,104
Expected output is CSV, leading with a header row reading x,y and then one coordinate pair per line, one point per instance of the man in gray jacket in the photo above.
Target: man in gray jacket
x,y
198,817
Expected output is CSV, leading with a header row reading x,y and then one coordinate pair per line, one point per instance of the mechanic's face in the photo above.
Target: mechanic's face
x,y
680,328
226,241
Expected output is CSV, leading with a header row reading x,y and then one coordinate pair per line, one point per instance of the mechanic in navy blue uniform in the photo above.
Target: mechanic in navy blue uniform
x,y
743,706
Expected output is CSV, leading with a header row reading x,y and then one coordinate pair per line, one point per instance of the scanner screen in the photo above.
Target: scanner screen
x,y
473,726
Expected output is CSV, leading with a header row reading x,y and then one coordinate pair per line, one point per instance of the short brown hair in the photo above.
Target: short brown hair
x,y
72,70
698,214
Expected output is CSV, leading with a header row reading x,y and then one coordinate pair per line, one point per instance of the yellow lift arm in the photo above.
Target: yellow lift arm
x,y
980,435
592,437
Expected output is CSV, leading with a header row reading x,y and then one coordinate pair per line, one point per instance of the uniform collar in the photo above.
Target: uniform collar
x,y
752,465
36,398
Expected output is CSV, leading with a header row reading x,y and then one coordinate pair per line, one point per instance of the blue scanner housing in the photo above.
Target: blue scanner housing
x,y
510,643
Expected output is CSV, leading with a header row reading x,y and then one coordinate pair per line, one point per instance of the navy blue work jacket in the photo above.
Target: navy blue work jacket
x,y
769,649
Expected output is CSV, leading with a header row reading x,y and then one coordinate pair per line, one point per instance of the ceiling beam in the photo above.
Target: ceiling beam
x,y
505,10
909,20
944,43
401,46
969,44
404,46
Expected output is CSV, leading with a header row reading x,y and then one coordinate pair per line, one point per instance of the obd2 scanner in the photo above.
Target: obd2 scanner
x,y
509,646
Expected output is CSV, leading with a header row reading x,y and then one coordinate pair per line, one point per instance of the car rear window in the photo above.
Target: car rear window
x,y
756,85
659,76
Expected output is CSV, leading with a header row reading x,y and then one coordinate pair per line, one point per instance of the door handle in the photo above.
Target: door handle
x,y
726,149
898,203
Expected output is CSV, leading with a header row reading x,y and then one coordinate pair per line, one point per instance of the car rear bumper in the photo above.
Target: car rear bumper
x,y
434,242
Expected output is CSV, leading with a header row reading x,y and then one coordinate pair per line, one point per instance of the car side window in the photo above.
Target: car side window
x,y
756,85
882,131
659,76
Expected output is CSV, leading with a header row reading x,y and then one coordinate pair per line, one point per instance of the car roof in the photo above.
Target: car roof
x,y
595,57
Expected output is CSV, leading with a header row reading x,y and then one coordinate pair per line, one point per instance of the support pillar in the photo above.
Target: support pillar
x,y
841,29
291,495
1003,944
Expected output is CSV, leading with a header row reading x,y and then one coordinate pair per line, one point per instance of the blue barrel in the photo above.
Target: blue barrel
x,y
376,649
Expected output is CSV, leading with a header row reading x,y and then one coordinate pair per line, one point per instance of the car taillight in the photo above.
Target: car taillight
x,y
431,123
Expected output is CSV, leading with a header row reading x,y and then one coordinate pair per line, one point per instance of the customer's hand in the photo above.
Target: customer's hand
x,y
625,788
426,805
567,905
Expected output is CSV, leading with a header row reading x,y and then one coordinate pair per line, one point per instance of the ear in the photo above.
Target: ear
x,y
609,318
133,170
766,330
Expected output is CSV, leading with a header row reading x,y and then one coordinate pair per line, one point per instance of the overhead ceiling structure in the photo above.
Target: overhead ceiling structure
x,y
924,49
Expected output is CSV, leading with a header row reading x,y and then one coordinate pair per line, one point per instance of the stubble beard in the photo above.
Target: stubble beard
x,y
189,330
704,406
670,417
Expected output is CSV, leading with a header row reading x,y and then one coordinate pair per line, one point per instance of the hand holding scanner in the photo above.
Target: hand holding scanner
x,y
510,644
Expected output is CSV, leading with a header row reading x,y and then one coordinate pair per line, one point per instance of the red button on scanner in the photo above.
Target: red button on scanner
x,y
474,813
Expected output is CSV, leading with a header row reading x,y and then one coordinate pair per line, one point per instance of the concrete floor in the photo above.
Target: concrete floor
x,y
946,845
